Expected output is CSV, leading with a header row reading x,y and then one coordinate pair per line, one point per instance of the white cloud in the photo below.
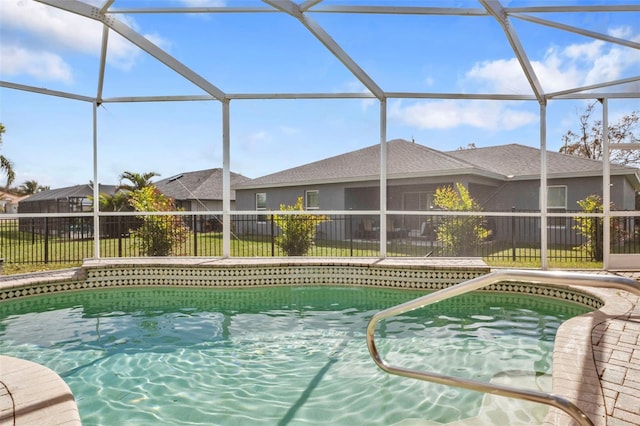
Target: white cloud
x,y
578,64
584,51
357,86
41,65
502,76
52,26
447,114
44,31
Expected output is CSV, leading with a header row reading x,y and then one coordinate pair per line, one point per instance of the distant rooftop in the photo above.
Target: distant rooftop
x,y
409,159
198,185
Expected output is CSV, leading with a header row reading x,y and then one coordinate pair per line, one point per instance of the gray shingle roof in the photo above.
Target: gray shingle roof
x,y
404,159
408,159
76,191
199,185
524,161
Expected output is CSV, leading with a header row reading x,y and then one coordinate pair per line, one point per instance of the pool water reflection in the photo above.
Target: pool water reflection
x,y
284,355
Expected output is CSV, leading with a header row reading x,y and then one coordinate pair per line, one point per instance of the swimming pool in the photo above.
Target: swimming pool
x,y
282,355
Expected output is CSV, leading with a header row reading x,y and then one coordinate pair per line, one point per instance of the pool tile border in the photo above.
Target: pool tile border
x,y
414,274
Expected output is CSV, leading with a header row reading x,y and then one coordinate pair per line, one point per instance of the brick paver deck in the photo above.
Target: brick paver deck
x,y
596,361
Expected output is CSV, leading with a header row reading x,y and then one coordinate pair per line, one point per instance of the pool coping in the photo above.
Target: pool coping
x,y
596,359
32,394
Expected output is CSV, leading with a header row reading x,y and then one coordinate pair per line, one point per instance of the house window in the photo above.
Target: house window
x,y
557,203
312,199
261,201
418,200
557,197
261,204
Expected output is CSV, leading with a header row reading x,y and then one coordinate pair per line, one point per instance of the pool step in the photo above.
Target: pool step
x,y
498,410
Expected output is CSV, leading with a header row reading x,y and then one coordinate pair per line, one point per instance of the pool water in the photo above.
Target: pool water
x,y
276,356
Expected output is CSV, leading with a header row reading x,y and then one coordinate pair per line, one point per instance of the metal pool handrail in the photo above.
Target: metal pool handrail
x,y
540,277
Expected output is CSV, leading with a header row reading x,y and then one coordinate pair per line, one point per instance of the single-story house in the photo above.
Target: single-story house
x,y
9,202
72,199
192,191
200,191
499,178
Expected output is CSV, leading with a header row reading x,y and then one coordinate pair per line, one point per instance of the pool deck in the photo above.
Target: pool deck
x,y
596,364
596,361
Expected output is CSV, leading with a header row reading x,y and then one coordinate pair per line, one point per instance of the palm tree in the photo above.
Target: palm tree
x,y
5,165
114,203
138,181
30,187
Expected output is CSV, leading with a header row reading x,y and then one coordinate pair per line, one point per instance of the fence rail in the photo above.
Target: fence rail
x,y
70,239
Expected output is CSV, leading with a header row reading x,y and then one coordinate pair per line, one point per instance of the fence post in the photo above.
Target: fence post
x,y
513,234
273,242
46,240
194,222
351,235
119,232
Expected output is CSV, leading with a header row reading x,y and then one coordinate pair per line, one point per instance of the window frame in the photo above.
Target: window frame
x,y
557,207
257,205
556,222
307,199
261,218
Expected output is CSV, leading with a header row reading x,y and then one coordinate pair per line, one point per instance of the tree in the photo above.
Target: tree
x,y
587,141
137,180
461,235
114,203
471,145
298,230
5,165
592,227
158,235
30,187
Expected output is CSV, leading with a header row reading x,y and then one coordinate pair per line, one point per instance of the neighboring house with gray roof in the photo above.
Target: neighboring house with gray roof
x,y
200,191
499,178
72,199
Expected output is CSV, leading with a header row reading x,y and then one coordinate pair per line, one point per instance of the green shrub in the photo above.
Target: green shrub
x,y
298,230
459,235
591,228
158,235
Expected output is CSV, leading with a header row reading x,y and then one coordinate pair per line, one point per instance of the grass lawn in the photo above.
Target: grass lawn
x,y
27,252
28,256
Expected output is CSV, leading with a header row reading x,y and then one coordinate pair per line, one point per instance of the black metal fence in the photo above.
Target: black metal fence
x,y
508,238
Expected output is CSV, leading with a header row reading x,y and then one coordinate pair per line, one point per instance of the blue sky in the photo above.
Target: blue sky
x,y
49,139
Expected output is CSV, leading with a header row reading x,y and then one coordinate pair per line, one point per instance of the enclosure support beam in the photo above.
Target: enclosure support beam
x,y
314,28
383,178
497,11
606,186
226,182
143,43
103,63
543,186
96,186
